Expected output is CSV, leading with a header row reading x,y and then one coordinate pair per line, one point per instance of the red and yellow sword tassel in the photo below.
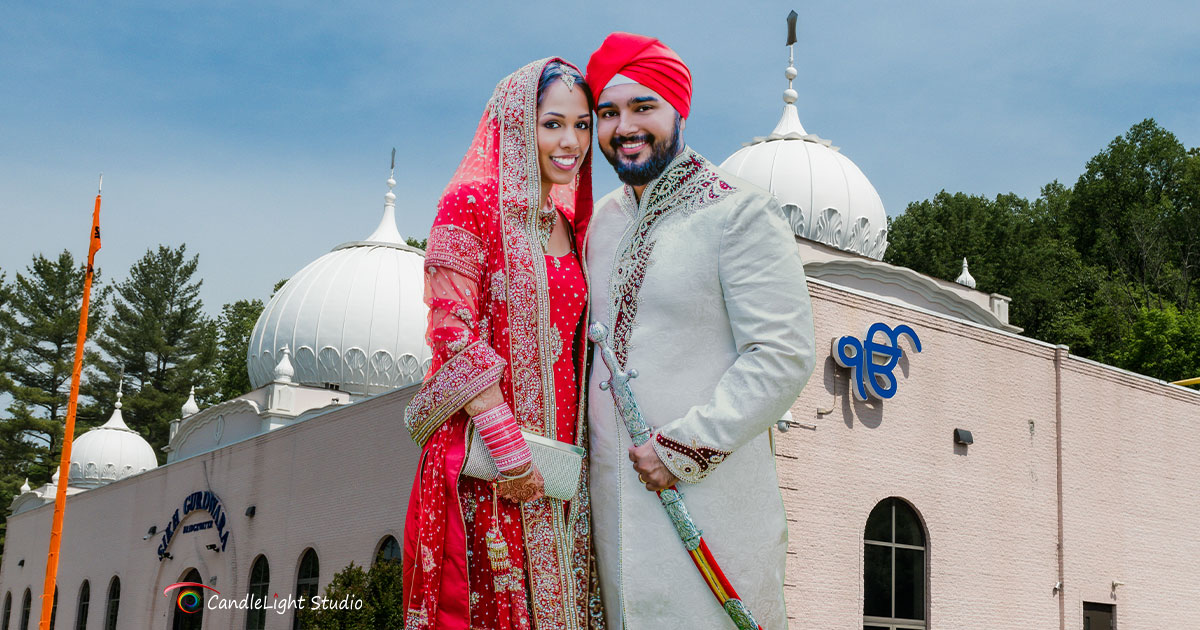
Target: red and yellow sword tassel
x,y
705,562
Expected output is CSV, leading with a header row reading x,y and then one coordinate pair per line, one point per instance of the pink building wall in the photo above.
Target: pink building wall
x,y
1131,497
991,509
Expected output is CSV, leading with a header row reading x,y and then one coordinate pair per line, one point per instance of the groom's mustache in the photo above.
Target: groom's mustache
x,y
617,141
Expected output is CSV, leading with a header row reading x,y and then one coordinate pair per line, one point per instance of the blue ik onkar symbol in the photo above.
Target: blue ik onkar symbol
x,y
871,362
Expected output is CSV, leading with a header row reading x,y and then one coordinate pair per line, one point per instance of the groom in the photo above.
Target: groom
x,y
699,280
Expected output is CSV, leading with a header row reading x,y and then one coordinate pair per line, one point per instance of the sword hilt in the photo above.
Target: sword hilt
x,y
618,382
598,333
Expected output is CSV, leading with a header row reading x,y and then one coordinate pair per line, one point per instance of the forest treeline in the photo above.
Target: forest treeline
x,y
1109,266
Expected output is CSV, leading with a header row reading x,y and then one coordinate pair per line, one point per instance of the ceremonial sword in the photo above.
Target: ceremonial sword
x,y
672,499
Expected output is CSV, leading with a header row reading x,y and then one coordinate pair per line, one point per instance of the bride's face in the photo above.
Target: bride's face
x,y
564,132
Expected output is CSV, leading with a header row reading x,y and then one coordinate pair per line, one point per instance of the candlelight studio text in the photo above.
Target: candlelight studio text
x,y
283,604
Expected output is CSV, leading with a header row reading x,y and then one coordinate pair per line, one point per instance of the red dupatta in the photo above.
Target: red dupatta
x,y
489,321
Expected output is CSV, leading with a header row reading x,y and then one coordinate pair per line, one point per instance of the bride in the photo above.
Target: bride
x,y
506,292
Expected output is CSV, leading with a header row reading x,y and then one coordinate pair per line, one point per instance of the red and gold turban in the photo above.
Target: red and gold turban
x,y
644,60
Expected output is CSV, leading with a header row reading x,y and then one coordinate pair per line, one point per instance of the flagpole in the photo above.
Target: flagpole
x,y
64,464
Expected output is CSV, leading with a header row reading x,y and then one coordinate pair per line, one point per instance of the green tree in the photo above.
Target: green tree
x,y
1014,248
39,320
160,340
235,325
1089,266
1134,213
1164,343
419,244
379,589
933,236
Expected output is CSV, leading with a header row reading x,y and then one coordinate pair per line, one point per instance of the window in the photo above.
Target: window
x,y
85,594
25,603
1099,616
114,602
260,580
189,611
306,581
894,568
389,549
54,607
7,610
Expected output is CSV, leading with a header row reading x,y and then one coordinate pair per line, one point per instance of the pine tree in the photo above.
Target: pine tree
x,y
160,340
39,319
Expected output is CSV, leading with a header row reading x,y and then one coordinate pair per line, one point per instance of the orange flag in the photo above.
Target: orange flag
x,y
60,498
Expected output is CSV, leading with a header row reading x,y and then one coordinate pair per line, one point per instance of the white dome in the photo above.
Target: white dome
x,y
108,453
354,318
825,196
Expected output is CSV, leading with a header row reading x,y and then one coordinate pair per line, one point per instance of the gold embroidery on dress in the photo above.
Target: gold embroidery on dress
x,y
556,342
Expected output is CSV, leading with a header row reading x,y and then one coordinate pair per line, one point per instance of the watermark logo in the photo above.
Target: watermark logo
x,y
190,597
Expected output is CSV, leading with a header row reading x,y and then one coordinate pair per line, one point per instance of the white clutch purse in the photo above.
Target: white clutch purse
x,y
559,462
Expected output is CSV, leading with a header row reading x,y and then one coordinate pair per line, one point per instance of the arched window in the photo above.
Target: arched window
x,y
388,549
114,602
306,581
260,581
54,607
189,606
7,610
85,594
25,604
894,568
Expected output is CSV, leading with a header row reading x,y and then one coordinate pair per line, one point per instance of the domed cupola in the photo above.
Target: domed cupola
x,y
354,319
108,453
825,196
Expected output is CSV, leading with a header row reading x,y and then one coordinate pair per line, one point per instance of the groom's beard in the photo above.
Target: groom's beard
x,y
661,154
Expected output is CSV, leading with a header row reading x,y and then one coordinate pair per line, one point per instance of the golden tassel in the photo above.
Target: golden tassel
x,y
496,545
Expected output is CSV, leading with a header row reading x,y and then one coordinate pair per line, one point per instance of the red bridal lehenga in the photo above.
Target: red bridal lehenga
x,y
500,310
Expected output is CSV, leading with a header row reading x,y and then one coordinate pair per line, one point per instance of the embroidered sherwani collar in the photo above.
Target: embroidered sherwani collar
x,y
688,184
660,188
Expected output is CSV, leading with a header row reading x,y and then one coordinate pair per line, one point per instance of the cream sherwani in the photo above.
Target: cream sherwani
x,y
703,290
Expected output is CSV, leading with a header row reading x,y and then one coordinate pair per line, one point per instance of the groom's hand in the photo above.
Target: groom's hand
x,y
650,468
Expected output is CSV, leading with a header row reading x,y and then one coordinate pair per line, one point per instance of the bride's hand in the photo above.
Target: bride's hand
x,y
530,487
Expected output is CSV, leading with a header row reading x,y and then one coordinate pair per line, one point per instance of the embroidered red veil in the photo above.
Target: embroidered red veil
x,y
486,287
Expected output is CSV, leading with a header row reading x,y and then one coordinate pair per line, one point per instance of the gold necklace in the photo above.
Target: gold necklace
x,y
547,217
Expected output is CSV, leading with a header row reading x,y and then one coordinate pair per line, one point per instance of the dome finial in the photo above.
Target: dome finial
x,y
117,421
387,232
284,370
790,95
190,407
789,126
25,486
390,197
965,278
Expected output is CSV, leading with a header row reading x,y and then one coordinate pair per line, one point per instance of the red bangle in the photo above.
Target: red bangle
x,y
503,438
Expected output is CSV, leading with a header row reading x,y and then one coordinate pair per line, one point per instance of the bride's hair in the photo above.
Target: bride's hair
x,y
555,71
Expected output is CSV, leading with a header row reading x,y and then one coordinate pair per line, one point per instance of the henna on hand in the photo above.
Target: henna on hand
x,y
530,487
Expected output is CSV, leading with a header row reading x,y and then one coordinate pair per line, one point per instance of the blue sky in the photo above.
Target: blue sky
x,y
259,133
